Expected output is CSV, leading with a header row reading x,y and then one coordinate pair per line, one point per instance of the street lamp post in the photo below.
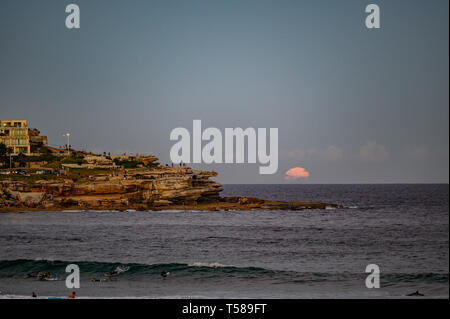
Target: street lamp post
x,y
68,142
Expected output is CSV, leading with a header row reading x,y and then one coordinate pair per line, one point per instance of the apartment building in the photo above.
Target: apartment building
x,y
14,134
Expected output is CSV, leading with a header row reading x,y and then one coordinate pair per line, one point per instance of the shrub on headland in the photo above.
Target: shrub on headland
x,y
127,163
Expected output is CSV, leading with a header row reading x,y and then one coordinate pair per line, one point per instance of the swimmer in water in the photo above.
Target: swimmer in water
x,y
112,273
164,273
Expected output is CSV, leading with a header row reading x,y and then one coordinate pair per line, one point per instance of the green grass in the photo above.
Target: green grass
x,y
89,171
127,164
55,164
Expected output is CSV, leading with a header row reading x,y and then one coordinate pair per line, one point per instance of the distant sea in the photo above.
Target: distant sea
x,y
404,229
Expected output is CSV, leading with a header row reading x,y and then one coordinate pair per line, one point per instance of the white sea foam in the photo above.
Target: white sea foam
x,y
121,269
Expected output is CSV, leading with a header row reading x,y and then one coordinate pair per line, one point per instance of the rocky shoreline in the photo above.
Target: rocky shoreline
x,y
168,188
222,205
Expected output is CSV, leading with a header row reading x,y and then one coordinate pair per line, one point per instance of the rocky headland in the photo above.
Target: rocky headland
x,y
158,188
54,179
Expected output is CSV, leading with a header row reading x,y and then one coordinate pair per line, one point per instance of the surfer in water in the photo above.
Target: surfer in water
x,y
164,273
416,293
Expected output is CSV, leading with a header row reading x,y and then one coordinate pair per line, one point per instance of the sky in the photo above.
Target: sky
x,y
351,104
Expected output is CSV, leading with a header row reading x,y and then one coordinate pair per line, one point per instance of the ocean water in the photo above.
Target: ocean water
x,y
404,229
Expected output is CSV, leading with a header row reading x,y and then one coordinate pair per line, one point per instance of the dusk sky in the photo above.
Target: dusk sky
x,y
352,105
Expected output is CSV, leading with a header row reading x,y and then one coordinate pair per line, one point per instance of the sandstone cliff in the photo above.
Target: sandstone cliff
x,y
147,188
140,189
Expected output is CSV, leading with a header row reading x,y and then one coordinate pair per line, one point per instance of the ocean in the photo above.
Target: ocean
x,y
404,229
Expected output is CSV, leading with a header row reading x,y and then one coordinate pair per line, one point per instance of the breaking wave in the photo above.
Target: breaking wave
x,y
21,267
